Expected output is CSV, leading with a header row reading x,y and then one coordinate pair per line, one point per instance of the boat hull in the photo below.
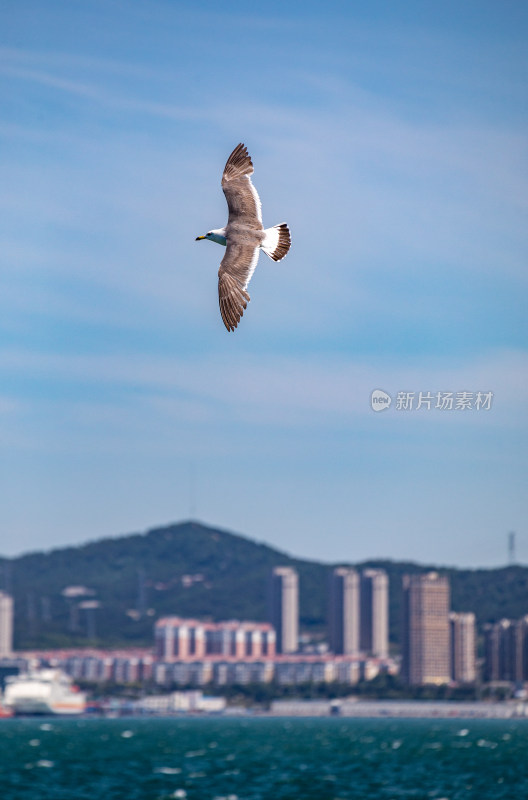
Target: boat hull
x,y
32,707
46,691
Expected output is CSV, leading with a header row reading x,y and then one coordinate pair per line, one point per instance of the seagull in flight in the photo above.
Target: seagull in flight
x,y
243,237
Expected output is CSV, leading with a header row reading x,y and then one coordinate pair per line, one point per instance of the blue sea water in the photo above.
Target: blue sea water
x,y
261,758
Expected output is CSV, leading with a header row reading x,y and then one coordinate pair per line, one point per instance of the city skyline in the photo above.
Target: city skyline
x,y
391,138
166,570
437,646
190,651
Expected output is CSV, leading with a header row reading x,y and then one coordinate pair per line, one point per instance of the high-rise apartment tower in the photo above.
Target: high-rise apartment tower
x,y
425,629
6,624
284,608
506,650
343,611
374,613
462,628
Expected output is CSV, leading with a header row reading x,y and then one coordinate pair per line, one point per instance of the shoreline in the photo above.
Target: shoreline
x,y
397,709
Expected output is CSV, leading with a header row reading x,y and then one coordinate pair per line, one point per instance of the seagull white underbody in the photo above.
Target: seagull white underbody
x,y
243,237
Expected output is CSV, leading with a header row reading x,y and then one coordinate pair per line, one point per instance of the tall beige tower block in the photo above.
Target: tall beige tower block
x,y
6,624
463,667
374,613
284,608
343,611
426,652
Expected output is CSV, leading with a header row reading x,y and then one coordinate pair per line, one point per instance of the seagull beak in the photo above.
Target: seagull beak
x,y
198,238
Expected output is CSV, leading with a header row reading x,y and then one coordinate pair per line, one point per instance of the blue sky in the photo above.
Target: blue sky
x,y
392,139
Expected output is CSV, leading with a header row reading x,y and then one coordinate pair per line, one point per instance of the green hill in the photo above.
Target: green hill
x,y
189,569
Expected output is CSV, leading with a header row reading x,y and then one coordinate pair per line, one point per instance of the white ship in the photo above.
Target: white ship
x,y
43,691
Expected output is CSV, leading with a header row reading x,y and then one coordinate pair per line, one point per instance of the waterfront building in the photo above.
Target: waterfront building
x,y
177,702
290,672
499,651
138,665
374,613
343,611
179,639
506,651
425,629
347,670
462,641
284,608
6,624
522,649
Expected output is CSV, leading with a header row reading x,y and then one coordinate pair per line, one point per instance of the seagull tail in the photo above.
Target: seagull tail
x,y
277,241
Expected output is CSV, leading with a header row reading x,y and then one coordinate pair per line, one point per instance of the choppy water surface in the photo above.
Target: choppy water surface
x,y
257,758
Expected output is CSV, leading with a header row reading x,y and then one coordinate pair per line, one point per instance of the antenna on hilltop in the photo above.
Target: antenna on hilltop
x,y
192,491
511,548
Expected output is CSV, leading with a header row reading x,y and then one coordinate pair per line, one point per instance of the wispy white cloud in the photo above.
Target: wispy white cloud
x,y
294,392
114,100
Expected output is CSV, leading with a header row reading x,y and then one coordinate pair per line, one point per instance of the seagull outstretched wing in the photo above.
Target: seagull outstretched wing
x,y
244,234
236,269
243,201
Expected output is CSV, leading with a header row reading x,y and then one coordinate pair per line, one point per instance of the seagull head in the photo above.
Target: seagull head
x,y
216,235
